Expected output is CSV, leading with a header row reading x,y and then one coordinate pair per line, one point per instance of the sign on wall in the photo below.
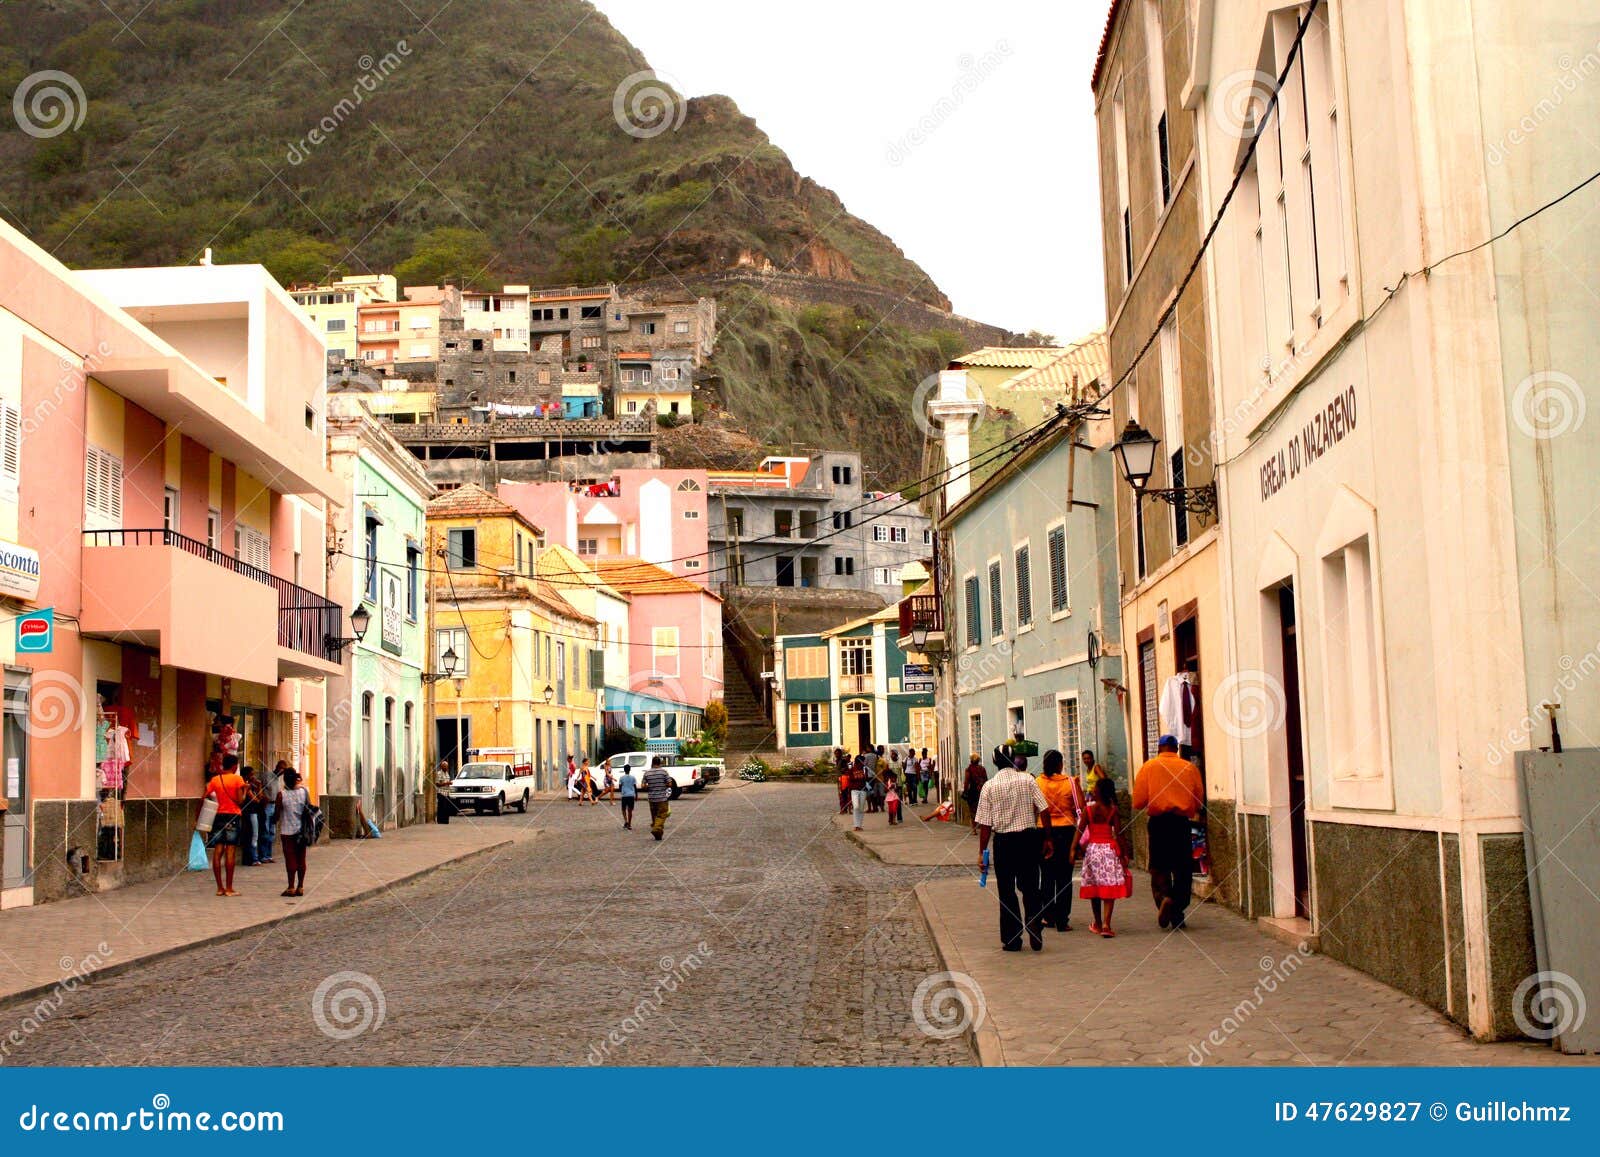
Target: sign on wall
x,y
19,571
917,677
1326,428
36,632
391,611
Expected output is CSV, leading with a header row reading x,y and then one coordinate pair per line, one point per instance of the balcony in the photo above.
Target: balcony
x,y
204,610
919,613
857,684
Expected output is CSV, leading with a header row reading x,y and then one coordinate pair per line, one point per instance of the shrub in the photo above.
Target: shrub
x,y
715,723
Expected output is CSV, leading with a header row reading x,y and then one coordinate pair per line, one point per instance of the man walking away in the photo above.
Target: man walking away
x,y
1171,790
1055,873
628,792
658,788
1011,809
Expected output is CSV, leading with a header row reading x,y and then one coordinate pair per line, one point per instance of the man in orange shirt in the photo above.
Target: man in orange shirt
x,y
228,789
1169,788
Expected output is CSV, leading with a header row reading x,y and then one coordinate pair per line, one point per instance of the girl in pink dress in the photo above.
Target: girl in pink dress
x,y
1106,874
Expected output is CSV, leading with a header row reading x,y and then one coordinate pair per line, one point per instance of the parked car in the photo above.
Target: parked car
x,y
696,775
490,786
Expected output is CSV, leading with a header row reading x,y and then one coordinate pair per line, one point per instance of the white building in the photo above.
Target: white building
x,y
1408,480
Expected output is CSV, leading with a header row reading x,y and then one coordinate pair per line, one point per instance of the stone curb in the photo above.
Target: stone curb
x,y
983,1037
121,966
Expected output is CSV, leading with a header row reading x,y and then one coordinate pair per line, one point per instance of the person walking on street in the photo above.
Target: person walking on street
x,y
1107,877
628,791
972,786
228,789
658,788
1055,878
911,778
858,792
1014,814
1170,789
292,802
270,787
925,770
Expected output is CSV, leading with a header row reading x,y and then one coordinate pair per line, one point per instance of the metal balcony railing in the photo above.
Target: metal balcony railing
x,y
307,622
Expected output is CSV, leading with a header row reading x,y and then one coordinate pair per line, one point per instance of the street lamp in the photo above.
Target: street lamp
x,y
549,694
448,661
919,635
1136,456
359,620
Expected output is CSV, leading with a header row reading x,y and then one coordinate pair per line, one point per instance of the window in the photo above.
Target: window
x,y
170,509
592,313
841,520
735,517
691,514
461,551
808,718
882,576
1069,737
1172,423
842,475
1156,69
1024,568
648,328
633,406
371,541
588,547
589,343
1149,695
214,528
452,639
688,486
252,547
880,534
336,325
691,564
783,524
973,611
409,753
997,610
975,733
898,534
102,487
855,657
805,662
844,565
927,538
413,572
680,327
1119,123
664,650
1057,544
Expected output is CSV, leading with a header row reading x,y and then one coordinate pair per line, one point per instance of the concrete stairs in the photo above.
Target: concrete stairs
x,y
749,730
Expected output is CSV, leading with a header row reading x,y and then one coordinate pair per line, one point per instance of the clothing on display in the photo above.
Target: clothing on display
x,y
1179,707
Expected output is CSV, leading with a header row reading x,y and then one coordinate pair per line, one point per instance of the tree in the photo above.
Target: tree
x,y
1038,337
591,256
715,723
291,257
448,253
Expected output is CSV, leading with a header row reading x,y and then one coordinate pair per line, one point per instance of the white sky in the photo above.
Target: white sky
x,y
999,202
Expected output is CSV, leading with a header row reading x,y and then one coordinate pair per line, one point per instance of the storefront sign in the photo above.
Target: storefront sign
x,y
36,632
1327,428
19,571
917,677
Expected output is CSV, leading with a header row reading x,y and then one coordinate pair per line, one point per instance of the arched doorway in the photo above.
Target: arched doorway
x,y
858,724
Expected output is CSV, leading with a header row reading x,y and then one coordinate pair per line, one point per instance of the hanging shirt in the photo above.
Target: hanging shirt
x,y
1178,708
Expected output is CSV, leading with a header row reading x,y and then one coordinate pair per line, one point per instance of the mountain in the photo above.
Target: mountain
x,y
485,142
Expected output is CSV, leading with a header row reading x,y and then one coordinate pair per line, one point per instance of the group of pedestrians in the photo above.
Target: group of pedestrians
x,y
877,780
586,787
1037,828
250,810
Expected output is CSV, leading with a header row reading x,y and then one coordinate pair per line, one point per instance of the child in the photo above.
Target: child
x,y
891,800
1106,874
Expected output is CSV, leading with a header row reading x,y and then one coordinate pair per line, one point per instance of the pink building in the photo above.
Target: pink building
x,y
658,516
167,479
674,651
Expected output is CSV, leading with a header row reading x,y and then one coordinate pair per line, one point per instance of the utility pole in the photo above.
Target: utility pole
x,y
431,739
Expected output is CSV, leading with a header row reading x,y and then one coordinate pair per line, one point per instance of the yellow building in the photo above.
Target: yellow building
x,y
334,308
393,332
526,676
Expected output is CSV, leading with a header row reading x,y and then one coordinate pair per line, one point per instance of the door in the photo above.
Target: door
x,y
454,736
785,565
1294,759
14,747
311,754
1148,697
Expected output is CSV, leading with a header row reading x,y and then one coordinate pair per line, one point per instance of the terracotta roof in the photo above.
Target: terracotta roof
x,y
1076,368
469,501
634,576
642,356
1105,43
1010,357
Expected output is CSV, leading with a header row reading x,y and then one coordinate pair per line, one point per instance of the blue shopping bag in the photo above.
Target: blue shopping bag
x,y
199,861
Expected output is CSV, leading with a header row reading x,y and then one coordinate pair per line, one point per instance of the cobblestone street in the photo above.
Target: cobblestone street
x,y
754,934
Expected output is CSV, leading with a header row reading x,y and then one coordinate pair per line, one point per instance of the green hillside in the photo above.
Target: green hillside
x,y
480,143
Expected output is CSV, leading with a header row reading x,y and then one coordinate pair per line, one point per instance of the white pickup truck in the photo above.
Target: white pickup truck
x,y
692,776
489,786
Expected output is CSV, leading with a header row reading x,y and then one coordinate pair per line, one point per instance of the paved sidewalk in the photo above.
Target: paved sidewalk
x,y
106,933
1220,993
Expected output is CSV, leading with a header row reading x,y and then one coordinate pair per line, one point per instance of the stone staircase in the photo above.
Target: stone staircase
x,y
750,732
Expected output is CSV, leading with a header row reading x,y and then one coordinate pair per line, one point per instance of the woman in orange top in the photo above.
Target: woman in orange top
x,y
228,789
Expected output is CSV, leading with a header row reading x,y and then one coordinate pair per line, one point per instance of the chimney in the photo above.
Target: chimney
x,y
952,410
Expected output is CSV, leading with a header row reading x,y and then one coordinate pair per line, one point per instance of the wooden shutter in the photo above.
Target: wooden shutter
x,y
974,625
997,609
1024,587
10,447
1058,570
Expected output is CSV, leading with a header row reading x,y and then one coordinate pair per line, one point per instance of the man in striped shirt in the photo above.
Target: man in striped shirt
x,y
1014,813
658,788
